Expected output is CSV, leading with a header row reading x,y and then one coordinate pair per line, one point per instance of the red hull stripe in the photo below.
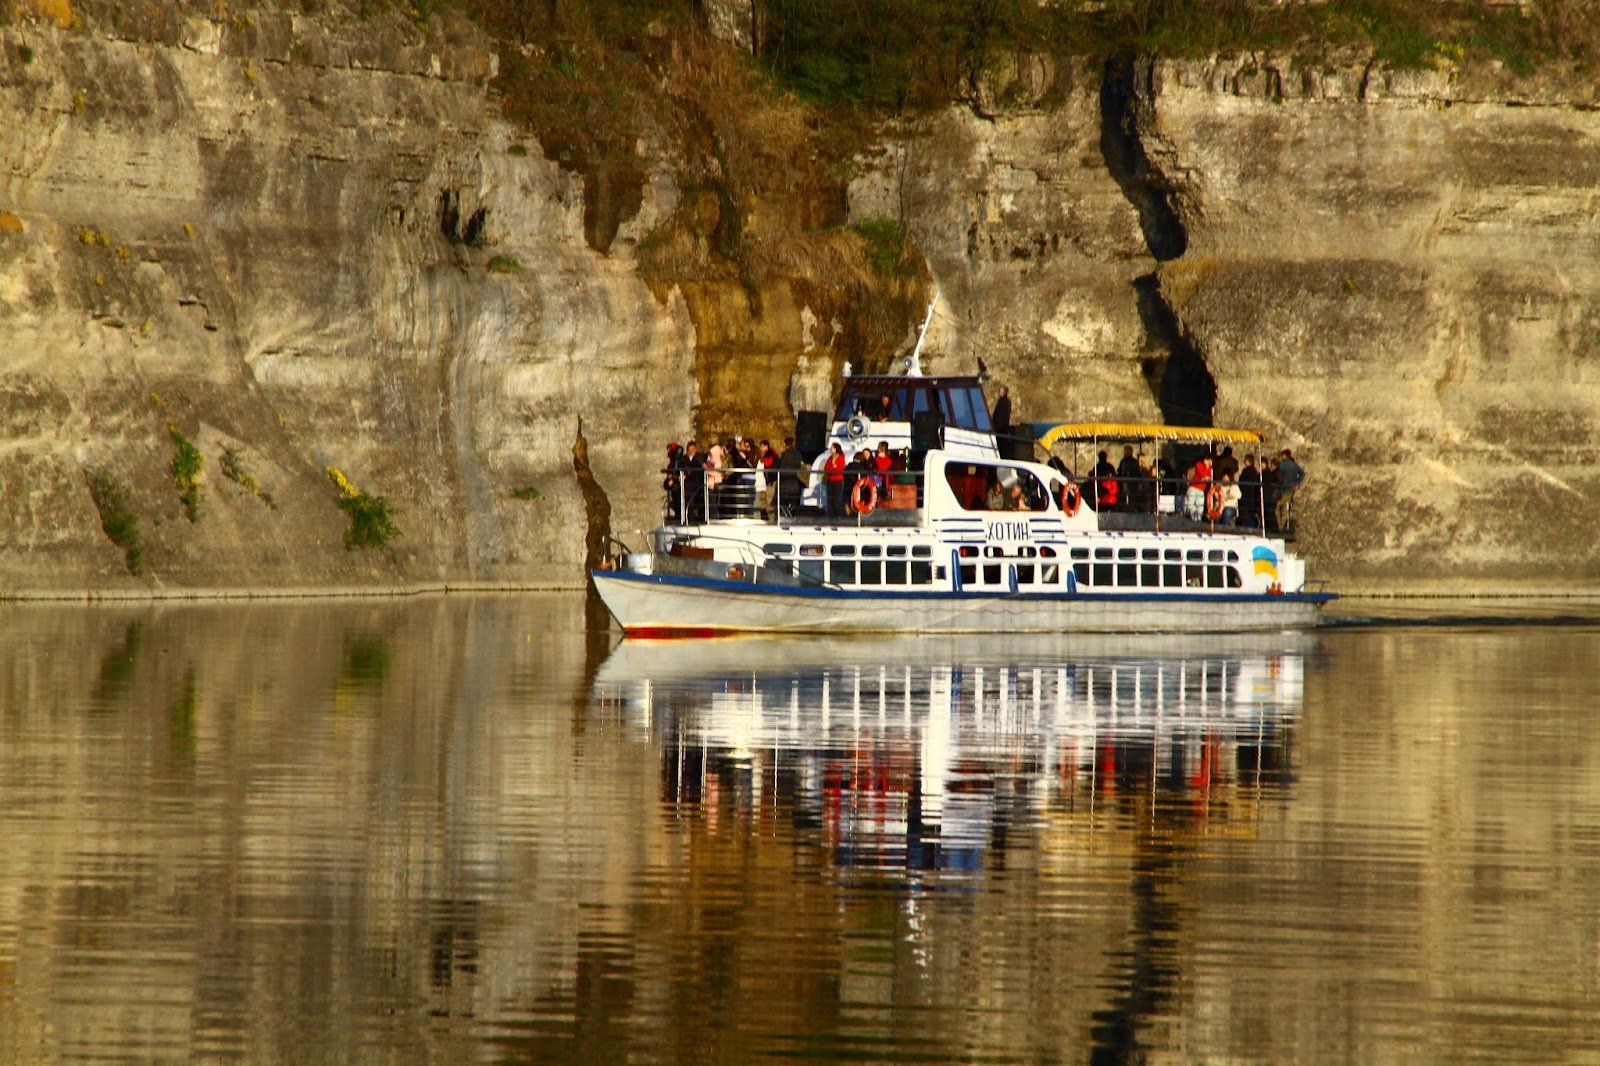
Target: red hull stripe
x,y
673,632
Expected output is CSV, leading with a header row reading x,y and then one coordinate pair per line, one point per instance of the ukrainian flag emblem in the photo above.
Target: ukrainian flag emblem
x,y
1266,561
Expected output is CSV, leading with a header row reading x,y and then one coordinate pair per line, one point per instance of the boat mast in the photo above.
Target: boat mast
x,y
914,360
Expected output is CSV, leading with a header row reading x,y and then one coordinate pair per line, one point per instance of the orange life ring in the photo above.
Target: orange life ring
x,y
1214,501
865,496
1071,499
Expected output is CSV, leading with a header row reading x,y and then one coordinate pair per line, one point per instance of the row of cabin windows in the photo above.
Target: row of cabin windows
x,y
994,551
1028,574
1158,575
867,572
880,564
886,564
1194,568
1110,575
1150,555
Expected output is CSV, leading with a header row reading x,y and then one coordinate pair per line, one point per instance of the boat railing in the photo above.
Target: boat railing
x,y
695,496
1182,505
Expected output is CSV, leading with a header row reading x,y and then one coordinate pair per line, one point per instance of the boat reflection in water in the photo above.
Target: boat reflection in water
x,y
923,755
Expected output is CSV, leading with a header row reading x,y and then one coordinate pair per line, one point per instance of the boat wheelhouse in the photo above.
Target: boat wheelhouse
x,y
941,525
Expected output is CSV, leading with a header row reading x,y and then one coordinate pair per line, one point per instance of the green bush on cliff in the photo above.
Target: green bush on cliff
x,y
370,523
899,53
187,463
884,243
120,524
236,469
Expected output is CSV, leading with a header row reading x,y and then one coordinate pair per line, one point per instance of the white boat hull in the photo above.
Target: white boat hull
x,y
669,605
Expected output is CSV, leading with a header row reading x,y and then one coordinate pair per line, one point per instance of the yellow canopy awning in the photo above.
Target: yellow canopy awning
x,y
1127,431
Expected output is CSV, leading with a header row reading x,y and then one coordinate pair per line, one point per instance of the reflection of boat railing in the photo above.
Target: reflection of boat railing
x,y
812,708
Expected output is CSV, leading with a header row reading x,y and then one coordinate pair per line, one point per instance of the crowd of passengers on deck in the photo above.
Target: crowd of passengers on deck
x,y
745,478
742,478
735,478
1215,487
750,479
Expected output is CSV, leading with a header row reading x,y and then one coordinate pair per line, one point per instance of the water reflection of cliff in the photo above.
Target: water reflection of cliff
x,y
928,764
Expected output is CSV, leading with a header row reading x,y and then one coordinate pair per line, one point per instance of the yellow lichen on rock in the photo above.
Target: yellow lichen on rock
x,y
10,223
58,11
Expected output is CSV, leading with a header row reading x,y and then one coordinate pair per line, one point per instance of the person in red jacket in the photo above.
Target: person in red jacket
x,y
1199,485
833,476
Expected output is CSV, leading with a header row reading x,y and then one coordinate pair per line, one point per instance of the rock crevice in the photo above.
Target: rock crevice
x,y
1175,368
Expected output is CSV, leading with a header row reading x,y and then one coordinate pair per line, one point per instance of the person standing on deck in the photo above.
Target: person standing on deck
x,y
1000,421
1130,477
1250,493
1227,464
792,477
1105,485
672,484
1001,418
833,478
1199,485
694,483
1271,493
1290,474
1230,499
883,462
716,461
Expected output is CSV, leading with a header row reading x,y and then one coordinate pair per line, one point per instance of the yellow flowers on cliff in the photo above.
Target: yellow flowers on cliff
x,y
343,483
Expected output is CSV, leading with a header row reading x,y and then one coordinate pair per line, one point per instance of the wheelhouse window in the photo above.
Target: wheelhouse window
x,y
958,401
958,408
963,406
990,487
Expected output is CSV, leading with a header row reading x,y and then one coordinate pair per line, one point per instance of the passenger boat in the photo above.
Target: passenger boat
x,y
959,535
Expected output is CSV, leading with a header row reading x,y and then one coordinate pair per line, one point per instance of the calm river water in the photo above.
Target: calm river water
x,y
465,829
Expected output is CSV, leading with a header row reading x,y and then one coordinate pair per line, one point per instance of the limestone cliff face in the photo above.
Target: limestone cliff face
x,y
311,244
1395,274
306,243
1032,245
1399,274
